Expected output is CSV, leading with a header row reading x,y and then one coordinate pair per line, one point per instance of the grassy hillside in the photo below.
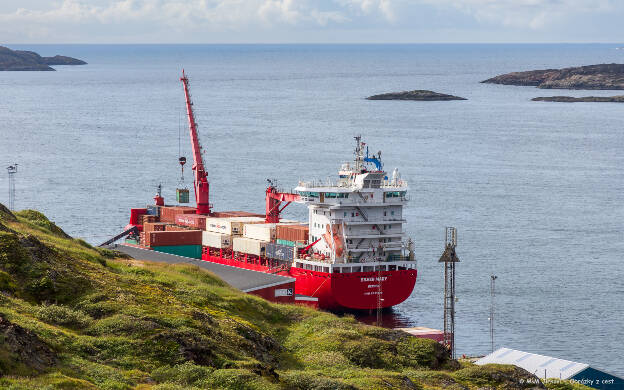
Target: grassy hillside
x,y
77,317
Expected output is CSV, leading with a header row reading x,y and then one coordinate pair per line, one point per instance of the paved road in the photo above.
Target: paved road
x,y
242,279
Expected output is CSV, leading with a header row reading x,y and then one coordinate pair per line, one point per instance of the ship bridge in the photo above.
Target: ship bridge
x,y
359,216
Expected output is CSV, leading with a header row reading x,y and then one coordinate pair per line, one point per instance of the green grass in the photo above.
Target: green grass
x,y
108,322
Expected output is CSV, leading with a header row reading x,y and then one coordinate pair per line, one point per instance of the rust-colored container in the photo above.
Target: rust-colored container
x,y
296,233
176,228
186,237
228,214
168,213
154,226
191,220
146,218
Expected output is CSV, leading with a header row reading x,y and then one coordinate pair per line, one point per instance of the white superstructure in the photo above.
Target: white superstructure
x,y
359,217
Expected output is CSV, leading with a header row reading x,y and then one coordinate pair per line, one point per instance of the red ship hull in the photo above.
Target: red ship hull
x,y
336,291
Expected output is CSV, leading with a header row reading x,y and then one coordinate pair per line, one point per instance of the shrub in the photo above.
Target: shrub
x,y
62,315
182,374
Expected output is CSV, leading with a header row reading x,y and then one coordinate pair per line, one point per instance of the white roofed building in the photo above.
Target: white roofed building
x,y
547,367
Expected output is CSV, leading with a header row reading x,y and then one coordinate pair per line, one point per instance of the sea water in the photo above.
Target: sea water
x,y
533,188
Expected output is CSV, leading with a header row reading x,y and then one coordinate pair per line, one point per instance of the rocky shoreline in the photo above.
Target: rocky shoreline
x,y
20,60
570,99
601,76
419,95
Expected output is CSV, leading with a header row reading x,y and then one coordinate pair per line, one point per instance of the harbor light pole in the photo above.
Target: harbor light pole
x,y
12,170
492,296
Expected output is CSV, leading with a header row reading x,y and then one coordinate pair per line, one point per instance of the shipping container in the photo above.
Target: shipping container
x,y
153,210
132,241
182,195
168,213
192,220
233,226
229,214
154,226
186,237
176,228
146,218
280,252
295,233
260,231
194,251
248,245
290,243
216,240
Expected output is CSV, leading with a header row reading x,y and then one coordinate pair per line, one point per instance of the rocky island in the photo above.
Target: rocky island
x,y
570,99
601,76
28,60
419,94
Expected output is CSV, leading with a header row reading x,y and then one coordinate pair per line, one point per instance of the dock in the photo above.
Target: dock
x,y
275,288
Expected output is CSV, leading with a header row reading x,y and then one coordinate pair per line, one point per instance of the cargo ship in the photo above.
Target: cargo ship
x,y
352,253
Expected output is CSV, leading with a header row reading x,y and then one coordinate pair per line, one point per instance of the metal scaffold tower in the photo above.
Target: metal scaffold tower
x,y
449,258
12,170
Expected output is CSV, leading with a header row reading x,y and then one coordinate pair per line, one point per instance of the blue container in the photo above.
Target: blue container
x,y
153,210
280,252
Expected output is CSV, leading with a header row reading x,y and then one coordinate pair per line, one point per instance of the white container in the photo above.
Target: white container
x,y
260,231
233,225
216,240
248,245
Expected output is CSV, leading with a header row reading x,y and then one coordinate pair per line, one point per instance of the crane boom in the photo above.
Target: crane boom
x,y
273,201
200,178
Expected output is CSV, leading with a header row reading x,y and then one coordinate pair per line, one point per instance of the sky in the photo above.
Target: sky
x,y
307,21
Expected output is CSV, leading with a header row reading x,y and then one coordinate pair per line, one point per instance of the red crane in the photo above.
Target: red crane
x,y
274,200
200,179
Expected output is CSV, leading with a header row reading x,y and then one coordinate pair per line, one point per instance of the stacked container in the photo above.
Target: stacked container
x,y
233,226
154,226
260,231
216,240
249,245
176,228
186,237
191,220
147,218
292,235
185,243
153,210
229,214
168,213
280,252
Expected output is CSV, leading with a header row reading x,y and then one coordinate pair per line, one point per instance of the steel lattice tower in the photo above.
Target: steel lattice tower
x,y
12,170
449,258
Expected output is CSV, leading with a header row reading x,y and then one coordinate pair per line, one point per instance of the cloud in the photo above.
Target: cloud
x,y
385,8
534,14
286,20
218,14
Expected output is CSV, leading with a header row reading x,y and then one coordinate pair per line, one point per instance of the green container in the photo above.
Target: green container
x,y
284,242
193,251
182,195
132,241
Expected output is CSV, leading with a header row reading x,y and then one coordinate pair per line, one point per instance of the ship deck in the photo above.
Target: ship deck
x,y
239,278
